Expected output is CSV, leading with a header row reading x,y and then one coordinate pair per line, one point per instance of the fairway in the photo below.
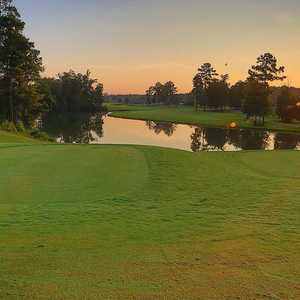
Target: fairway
x,y
133,222
188,115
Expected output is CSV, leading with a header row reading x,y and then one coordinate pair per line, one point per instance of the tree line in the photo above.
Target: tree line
x,y
162,93
212,92
24,94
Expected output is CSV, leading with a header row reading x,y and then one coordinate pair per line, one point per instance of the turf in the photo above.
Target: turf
x,y
7,137
132,222
187,115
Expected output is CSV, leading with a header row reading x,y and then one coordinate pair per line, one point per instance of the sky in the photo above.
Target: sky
x,y
129,45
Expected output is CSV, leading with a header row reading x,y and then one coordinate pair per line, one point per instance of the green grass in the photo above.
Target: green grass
x,y
187,115
132,222
7,137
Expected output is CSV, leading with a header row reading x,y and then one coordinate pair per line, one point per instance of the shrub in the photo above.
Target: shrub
x,y
20,126
8,126
41,135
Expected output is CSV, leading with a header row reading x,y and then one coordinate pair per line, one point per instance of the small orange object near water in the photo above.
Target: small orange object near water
x,y
232,125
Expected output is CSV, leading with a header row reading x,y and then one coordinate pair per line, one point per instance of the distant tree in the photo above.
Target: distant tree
x,y
205,75
150,95
237,94
162,93
158,89
169,91
266,69
256,102
286,104
218,93
200,98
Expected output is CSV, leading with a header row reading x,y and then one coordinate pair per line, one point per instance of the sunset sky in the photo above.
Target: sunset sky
x,y
130,44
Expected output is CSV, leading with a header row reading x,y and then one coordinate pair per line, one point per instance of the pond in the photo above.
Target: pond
x,y
99,129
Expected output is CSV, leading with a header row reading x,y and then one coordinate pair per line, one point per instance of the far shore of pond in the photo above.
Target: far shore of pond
x,y
187,115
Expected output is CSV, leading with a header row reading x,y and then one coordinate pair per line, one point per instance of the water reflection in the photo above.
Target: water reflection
x,y
249,139
99,129
286,141
165,127
74,128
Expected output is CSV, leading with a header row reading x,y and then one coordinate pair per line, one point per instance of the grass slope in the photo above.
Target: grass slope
x,y
130,222
8,137
187,114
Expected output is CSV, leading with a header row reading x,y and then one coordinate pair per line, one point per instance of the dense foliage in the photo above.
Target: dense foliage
x,y
20,67
287,107
24,95
252,96
256,102
72,92
162,93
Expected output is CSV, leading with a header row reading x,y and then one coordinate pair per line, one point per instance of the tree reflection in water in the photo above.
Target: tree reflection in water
x,y
247,139
286,141
241,139
74,128
88,128
159,127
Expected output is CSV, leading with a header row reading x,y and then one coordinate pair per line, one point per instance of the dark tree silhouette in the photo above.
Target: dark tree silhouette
x,y
256,102
20,67
266,69
73,92
218,93
257,90
162,93
205,75
286,107
237,95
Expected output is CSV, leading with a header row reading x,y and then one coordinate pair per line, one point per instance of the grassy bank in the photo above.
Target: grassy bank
x,y
130,222
8,137
187,114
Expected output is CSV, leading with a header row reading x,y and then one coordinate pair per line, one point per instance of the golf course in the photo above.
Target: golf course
x,y
188,115
149,151
136,222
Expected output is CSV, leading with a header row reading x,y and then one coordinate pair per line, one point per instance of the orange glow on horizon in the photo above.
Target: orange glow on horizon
x,y
132,80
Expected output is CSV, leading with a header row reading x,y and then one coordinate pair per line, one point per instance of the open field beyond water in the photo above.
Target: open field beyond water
x,y
131,222
187,115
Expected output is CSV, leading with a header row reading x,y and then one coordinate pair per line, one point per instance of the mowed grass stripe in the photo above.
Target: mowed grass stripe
x,y
131,222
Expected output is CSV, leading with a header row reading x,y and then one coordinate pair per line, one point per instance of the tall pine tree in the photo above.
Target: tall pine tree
x,y
20,67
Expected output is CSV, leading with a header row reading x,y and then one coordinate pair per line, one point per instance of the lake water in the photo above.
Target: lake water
x,y
83,128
